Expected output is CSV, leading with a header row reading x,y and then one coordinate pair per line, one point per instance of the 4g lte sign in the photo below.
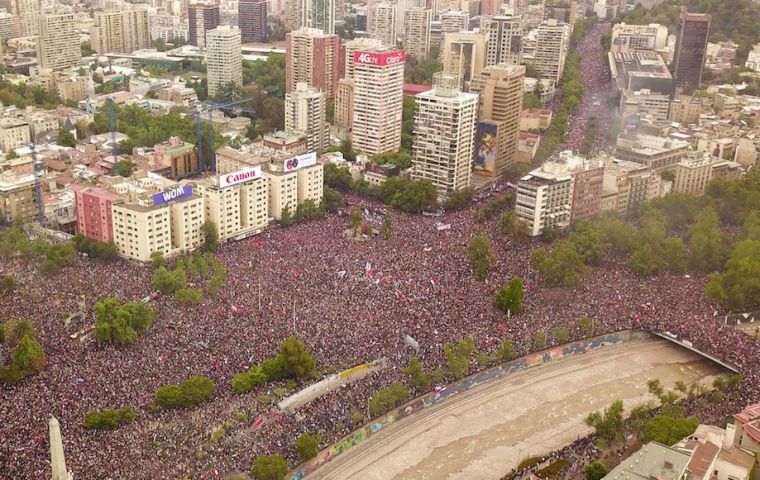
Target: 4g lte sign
x,y
380,59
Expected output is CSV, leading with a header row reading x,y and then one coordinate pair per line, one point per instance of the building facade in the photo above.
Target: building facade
x,y
504,39
383,26
94,220
312,57
224,62
552,43
417,32
691,46
58,45
252,19
377,100
444,132
120,31
202,17
305,114
500,89
464,55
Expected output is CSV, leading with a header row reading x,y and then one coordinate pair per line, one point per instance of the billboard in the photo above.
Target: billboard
x,y
300,161
240,176
380,59
173,194
486,147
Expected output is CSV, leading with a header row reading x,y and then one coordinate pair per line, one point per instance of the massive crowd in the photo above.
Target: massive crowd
x,y
349,301
353,302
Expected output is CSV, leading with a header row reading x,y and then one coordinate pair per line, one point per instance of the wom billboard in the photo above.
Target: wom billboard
x,y
380,59
300,161
486,147
179,192
240,176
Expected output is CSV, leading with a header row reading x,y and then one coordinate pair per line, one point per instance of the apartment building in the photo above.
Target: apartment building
x,y
444,129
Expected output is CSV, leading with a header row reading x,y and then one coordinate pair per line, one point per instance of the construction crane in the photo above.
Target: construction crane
x,y
115,146
210,108
37,167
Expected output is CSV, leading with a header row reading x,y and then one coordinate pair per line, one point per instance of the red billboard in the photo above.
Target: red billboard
x,y
380,59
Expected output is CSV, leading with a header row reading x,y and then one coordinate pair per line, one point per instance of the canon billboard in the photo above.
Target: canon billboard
x,y
380,59
300,161
240,176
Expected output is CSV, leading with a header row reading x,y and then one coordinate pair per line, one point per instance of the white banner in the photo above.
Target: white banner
x,y
240,176
300,161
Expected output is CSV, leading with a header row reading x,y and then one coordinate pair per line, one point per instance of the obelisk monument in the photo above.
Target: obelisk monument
x,y
57,461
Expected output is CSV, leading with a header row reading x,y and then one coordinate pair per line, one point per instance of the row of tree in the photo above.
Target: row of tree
x,y
51,257
292,361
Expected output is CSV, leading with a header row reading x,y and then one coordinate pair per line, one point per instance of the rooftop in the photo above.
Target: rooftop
x,y
750,420
652,461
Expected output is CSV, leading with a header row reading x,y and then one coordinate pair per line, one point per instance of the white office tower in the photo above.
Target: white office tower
x,y
444,130
504,39
223,59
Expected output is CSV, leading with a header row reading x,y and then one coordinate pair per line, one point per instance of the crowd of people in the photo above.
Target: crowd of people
x,y
594,109
350,302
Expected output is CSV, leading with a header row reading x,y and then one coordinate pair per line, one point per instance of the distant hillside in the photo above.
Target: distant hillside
x,y
735,20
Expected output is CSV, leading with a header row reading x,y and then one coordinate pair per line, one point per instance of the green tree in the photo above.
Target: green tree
x,y
125,168
121,323
337,177
157,260
458,356
708,245
668,430
509,298
332,199
307,445
297,362
588,240
738,287
595,470
417,375
586,325
511,224
531,100
66,138
560,264
270,467
109,418
8,284
168,282
505,351
562,334
210,236
286,219
609,424
480,253
188,296
644,261
385,399
387,227
539,339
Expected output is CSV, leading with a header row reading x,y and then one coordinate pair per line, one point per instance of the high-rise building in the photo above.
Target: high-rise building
x,y
563,11
321,15
252,19
552,43
504,39
224,63
691,45
417,32
120,31
444,130
377,101
383,25
312,57
27,14
352,46
202,17
344,96
500,104
305,114
464,54
318,14
58,45
454,21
